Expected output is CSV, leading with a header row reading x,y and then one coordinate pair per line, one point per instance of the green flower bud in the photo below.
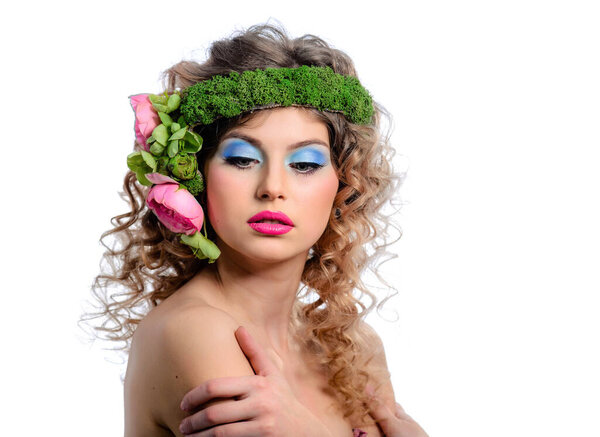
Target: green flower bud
x,y
195,186
183,166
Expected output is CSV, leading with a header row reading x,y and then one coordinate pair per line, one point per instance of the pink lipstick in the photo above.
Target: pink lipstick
x,y
271,223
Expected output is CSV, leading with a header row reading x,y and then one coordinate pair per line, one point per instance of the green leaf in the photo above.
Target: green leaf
x,y
161,134
159,102
173,102
204,247
210,250
149,160
173,148
175,127
181,120
194,240
193,138
150,140
142,179
135,162
156,149
179,134
162,165
165,118
189,148
141,163
162,100
159,107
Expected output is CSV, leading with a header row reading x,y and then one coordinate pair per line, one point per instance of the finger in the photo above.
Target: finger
x,y
257,356
222,413
239,429
387,420
400,413
227,387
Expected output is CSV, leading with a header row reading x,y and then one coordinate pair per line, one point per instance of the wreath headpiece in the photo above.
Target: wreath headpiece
x,y
167,161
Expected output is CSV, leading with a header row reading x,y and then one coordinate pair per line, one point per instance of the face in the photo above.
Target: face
x,y
271,185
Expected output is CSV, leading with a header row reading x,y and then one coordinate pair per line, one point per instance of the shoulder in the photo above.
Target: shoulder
x,y
175,349
192,329
374,344
377,366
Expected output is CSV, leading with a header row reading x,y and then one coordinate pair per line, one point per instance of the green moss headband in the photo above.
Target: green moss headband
x,y
316,87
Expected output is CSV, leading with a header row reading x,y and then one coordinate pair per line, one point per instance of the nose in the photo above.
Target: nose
x,y
272,184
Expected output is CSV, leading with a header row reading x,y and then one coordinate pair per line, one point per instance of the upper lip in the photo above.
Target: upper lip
x,y
270,215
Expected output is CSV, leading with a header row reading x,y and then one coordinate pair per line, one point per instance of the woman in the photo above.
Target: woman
x,y
261,182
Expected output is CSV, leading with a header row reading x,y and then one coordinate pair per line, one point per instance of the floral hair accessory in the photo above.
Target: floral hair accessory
x,y
311,86
168,164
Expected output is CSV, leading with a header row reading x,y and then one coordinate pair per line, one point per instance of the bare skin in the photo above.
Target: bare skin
x,y
161,404
189,339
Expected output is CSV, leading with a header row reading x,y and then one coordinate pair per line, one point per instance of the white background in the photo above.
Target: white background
x,y
496,108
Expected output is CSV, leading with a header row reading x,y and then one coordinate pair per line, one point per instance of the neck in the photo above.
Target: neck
x,y
260,295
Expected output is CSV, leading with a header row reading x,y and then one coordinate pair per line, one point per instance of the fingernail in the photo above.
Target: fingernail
x,y
183,406
182,427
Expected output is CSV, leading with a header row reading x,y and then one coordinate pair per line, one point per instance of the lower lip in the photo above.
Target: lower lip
x,y
271,228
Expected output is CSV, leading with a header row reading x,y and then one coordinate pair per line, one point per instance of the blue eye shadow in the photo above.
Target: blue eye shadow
x,y
307,154
239,148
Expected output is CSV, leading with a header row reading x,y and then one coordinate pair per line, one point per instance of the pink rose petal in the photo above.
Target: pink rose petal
x,y
176,208
146,118
159,178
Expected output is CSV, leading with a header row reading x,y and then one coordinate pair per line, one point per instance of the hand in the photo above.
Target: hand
x,y
394,423
261,405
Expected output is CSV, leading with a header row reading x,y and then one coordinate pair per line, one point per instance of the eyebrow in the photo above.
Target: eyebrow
x,y
255,142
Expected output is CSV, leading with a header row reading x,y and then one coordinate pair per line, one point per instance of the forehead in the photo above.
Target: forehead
x,y
283,126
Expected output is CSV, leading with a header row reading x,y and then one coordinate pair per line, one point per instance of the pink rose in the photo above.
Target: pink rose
x,y
176,208
146,118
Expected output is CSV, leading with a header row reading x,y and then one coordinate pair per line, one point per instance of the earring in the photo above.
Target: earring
x,y
338,213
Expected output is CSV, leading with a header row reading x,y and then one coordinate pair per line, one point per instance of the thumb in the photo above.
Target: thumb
x,y
255,353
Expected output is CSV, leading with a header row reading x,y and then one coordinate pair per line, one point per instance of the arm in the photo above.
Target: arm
x,y
172,353
264,403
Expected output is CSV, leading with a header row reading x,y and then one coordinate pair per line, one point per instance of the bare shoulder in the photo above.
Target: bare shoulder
x,y
378,367
199,332
379,375
374,344
174,349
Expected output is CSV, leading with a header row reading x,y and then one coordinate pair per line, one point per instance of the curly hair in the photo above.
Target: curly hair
x,y
150,263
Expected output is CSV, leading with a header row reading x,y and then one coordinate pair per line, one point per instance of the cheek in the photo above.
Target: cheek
x,y
318,196
223,192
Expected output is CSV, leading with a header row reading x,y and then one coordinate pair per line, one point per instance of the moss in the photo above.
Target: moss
x,y
195,186
317,87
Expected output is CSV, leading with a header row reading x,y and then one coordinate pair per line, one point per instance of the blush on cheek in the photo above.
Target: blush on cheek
x,y
322,192
222,190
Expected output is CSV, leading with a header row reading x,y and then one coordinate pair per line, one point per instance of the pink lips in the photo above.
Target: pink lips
x,y
284,226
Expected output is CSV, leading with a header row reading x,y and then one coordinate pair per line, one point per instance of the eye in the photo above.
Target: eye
x,y
241,162
305,167
307,160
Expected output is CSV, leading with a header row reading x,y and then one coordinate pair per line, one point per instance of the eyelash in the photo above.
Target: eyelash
x,y
313,167
237,160
243,163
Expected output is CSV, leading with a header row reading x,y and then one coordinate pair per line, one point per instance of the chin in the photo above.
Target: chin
x,y
273,253
269,250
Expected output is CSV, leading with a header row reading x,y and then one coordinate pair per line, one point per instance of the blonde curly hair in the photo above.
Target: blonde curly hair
x,y
150,263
